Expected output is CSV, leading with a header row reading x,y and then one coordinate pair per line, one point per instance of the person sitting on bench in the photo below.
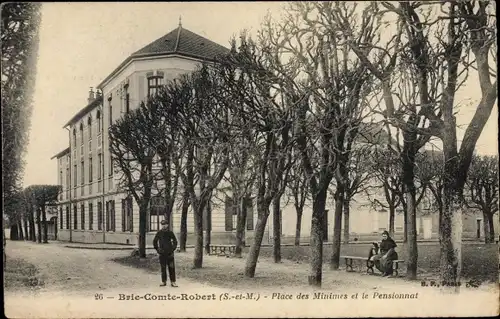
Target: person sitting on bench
x,y
386,254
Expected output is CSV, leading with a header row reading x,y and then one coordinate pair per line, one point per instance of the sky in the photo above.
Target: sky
x,y
81,43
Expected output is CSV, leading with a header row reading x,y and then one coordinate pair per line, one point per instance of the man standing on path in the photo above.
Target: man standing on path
x,y
165,244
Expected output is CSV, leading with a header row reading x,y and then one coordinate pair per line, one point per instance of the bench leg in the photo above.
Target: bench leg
x,y
395,267
369,267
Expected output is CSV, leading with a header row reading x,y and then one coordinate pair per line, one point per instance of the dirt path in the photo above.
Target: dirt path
x,y
86,283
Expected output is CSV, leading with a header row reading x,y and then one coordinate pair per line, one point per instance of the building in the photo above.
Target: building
x,y
92,209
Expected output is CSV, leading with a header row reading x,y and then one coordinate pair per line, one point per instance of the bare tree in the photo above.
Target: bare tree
x,y
133,154
299,190
482,191
203,121
359,174
184,213
242,158
257,95
328,94
429,172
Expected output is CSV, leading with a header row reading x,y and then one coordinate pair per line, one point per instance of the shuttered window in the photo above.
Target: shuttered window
x,y
127,214
249,206
228,208
91,217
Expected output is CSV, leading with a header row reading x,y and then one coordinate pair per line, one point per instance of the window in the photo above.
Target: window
x,y
99,169
249,206
99,216
81,133
67,217
127,213
67,180
110,113
89,123
61,217
127,100
157,213
230,212
91,217
82,175
90,169
75,218
110,165
74,137
110,215
74,177
98,117
154,84
82,214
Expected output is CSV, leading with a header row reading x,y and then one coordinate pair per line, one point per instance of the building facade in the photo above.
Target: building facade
x,y
93,209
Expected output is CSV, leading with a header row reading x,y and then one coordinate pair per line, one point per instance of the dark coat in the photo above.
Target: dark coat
x,y
165,242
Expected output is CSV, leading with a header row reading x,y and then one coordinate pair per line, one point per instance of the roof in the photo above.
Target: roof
x,y
179,41
85,110
61,153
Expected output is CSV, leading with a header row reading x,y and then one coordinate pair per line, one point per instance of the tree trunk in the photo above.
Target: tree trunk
x,y
260,227
44,220
14,235
143,213
316,241
277,229
20,227
392,214
240,224
450,238
492,227
208,228
411,209
26,233
486,229
183,230
337,227
39,224
346,221
405,223
298,225
198,232
32,226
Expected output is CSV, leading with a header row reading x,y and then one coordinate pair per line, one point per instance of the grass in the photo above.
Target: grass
x,y
480,263
19,274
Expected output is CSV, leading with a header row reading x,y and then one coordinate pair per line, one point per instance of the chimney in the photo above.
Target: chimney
x,y
91,96
97,93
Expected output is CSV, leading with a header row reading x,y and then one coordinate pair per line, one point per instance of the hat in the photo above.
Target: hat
x,y
164,222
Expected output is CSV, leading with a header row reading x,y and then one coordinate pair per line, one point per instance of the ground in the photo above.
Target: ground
x,y
88,283
480,261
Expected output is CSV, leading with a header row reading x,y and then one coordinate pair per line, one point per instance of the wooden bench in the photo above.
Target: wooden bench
x,y
349,260
223,250
370,264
